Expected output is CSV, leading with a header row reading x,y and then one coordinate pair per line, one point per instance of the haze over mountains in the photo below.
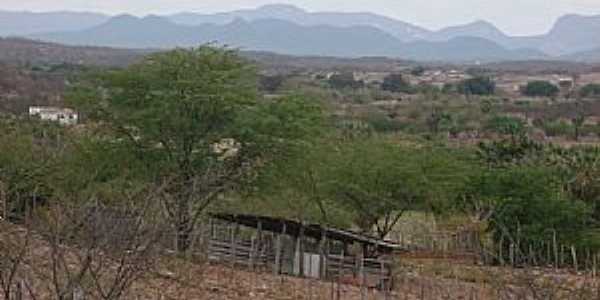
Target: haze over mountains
x,y
290,30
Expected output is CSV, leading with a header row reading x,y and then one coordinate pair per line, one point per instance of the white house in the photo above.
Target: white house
x,y
64,116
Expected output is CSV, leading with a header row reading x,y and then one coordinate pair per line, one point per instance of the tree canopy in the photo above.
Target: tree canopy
x,y
480,85
591,90
396,83
194,119
541,88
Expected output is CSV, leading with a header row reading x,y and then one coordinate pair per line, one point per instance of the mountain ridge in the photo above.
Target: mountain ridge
x,y
281,36
571,34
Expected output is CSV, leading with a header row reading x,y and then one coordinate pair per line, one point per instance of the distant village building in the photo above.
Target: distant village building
x,y
64,116
370,77
566,83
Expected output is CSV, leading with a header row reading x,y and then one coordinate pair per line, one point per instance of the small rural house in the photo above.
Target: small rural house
x,y
64,116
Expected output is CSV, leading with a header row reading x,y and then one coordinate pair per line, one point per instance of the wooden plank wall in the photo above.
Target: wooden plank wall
x,y
277,253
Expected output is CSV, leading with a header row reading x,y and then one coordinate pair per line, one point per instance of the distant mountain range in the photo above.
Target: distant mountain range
x,y
289,30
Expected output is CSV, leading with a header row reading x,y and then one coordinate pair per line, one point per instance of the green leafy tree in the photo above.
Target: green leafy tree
x,y
30,152
506,125
396,83
344,80
438,120
297,187
578,122
377,180
591,90
192,117
370,177
541,88
477,86
517,150
271,83
580,170
525,206
417,71
449,88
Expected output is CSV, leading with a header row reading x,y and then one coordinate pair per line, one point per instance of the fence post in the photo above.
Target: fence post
x,y
594,264
340,273
259,243
555,249
277,266
574,255
562,255
532,260
500,248
363,291
511,254
233,245
383,278
587,259
299,252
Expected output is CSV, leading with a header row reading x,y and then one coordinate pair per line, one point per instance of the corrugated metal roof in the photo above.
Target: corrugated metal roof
x,y
316,231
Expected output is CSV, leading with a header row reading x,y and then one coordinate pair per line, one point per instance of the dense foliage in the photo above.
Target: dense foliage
x,y
396,83
591,90
344,80
477,86
540,88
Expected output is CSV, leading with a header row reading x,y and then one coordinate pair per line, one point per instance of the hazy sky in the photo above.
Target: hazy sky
x,y
512,16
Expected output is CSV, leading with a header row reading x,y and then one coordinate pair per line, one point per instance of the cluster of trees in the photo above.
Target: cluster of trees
x,y
481,84
362,180
537,191
189,121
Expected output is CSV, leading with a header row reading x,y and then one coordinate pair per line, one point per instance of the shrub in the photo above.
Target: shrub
x,y
591,90
271,83
344,80
418,71
382,123
527,204
396,83
506,125
540,88
477,86
558,128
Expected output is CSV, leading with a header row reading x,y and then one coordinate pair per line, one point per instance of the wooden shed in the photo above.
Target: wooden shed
x,y
299,249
